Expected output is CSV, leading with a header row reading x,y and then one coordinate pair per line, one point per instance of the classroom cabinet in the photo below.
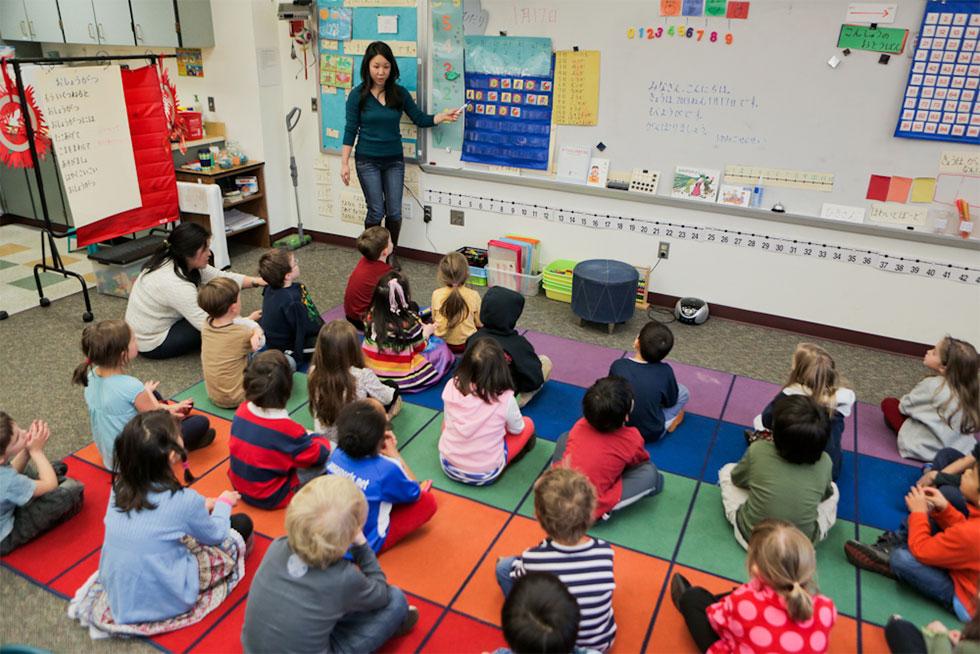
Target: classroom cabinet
x,y
31,20
155,22
97,22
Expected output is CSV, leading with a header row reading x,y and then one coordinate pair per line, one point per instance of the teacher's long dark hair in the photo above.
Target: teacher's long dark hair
x,y
182,244
393,99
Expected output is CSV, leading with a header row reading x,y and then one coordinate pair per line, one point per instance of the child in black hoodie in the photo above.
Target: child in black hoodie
x,y
499,312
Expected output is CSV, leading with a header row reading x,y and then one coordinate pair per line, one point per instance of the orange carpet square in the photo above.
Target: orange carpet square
x,y
432,562
873,639
91,454
267,523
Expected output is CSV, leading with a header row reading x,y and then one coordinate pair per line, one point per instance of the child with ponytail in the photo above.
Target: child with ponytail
x,y
778,610
397,346
943,410
455,308
113,397
170,556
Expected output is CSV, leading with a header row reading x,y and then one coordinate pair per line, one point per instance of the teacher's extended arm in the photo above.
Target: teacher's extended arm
x,y
423,119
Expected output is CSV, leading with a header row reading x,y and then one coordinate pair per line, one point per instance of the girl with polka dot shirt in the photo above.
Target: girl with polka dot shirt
x,y
778,610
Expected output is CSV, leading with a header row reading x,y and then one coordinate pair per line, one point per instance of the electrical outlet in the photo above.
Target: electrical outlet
x,y
456,217
427,213
210,103
663,252
313,105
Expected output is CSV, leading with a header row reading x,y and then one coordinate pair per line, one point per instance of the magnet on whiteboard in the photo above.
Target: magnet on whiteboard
x,y
883,59
833,62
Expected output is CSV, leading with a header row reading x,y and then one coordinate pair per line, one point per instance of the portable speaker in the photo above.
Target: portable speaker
x,y
691,311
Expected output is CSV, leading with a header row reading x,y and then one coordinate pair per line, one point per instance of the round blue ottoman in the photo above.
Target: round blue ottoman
x,y
604,291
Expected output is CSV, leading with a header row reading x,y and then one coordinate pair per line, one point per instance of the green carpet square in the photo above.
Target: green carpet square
x,y
651,526
882,597
6,264
407,423
47,279
709,545
422,455
199,394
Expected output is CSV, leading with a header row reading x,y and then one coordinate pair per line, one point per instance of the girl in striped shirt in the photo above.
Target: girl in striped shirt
x,y
397,345
564,502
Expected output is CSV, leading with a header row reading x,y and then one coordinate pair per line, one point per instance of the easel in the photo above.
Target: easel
x,y
48,233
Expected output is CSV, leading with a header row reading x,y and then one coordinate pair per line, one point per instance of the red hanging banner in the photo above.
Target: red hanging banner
x,y
15,151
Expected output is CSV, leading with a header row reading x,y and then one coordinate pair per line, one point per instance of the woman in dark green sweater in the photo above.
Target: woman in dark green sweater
x,y
374,109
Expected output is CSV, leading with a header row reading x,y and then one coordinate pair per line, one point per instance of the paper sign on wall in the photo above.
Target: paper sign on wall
x,y
871,12
336,71
335,23
897,214
959,163
842,212
576,87
89,129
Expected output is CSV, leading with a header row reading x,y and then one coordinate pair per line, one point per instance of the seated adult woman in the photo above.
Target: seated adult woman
x,y
163,309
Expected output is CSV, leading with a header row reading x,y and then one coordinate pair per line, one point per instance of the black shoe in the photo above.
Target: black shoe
x,y
207,440
678,586
393,261
887,542
868,557
60,469
409,622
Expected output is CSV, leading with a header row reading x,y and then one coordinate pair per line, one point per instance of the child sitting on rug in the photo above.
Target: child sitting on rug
x,y
499,312
170,556
338,376
780,609
787,478
367,454
659,399
375,245
33,499
564,503
397,346
813,373
227,341
942,410
483,430
455,308
540,615
289,316
609,453
938,552
271,454
307,597
113,397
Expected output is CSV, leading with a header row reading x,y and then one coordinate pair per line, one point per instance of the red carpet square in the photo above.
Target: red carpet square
x,y
458,634
72,579
428,615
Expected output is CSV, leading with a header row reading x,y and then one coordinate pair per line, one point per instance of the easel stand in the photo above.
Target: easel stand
x,y
49,235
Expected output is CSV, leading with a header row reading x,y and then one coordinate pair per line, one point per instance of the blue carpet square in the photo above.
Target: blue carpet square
x,y
728,448
430,397
882,486
847,506
683,451
555,409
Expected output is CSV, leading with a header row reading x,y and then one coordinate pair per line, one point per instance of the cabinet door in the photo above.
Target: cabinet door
x,y
43,21
196,27
13,21
154,22
114,23
79,22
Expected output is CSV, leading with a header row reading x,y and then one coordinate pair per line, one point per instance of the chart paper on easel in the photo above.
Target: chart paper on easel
x,y
90,131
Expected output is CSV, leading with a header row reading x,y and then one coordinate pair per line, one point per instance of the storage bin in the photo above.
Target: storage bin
x,y
527,285
561,296
117,279
478,276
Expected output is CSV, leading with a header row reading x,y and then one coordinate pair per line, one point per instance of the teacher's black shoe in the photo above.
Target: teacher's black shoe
x,y
394,262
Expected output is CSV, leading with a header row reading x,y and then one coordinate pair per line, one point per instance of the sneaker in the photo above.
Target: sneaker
x,y
868,557
678,586
409,622
676,422
395,409
60,469
886,542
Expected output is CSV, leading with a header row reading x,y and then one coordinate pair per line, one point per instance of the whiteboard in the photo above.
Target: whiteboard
x,y
769,98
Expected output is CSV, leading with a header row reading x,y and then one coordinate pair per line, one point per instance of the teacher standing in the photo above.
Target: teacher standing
x,y
374,110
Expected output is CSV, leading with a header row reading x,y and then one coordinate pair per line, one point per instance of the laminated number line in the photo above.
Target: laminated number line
x,y
763,242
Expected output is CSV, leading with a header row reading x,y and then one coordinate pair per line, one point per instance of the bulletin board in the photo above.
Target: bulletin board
x,y
344,29
758,91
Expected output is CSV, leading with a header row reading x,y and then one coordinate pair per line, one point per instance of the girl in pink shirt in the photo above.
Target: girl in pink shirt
x,y
483,430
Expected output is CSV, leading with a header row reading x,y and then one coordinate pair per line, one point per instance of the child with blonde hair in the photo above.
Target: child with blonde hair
x,y
943,410
564,502
483,430
455,308
335,604
780,609
338,376
813,373
113,397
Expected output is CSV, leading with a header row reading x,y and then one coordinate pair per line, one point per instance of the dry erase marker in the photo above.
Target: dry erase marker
x,y
463,108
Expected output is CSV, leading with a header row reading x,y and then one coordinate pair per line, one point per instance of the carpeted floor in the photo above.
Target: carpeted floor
x,y
41,348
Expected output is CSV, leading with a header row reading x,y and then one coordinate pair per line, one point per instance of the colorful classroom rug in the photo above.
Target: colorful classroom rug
x,y
447,568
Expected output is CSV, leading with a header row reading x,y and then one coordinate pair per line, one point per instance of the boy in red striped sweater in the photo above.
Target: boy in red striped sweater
x,y
271,454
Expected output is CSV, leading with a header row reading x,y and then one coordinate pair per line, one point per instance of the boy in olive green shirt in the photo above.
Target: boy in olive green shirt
x,y
787,479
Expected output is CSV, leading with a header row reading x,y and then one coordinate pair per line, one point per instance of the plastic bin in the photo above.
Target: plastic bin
x,y
555,294
117,279
478,276
527,285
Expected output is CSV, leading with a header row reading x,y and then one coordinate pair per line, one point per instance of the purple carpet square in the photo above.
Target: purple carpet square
x,y
874,438
708,388
748,398
337,313
574,362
